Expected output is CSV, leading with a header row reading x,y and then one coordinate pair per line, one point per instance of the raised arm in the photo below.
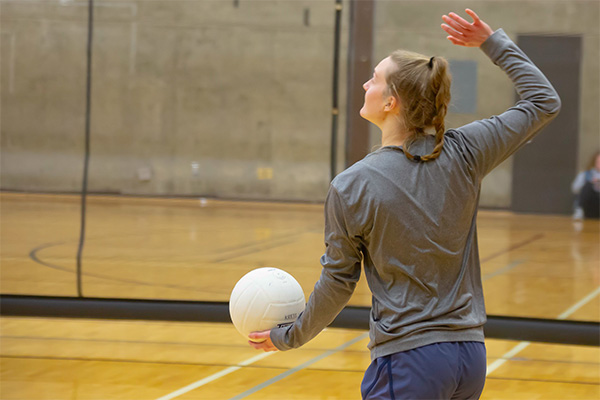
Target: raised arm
x,y
490,141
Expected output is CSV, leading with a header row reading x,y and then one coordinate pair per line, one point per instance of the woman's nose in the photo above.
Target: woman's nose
x,y
365,87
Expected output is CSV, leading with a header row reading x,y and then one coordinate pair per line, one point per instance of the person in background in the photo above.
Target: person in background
x,y
586,188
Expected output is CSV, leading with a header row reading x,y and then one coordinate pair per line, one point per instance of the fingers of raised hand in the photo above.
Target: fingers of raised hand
x,y
457,23
464,33
473,15
452,32
456,37
461,21
456,41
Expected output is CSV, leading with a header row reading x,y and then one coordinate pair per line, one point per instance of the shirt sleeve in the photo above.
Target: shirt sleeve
x,y
341,270
489,142
578,183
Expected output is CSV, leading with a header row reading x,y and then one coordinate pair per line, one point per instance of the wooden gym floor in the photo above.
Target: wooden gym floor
x,y
535,266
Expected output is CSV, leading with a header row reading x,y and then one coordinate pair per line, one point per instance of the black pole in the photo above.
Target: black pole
x,y
86,161
336,66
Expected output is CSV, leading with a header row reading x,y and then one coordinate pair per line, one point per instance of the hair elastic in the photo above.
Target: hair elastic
x,y
417,158
431,62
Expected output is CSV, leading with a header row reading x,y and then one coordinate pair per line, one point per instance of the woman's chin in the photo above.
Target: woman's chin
x,y
363,114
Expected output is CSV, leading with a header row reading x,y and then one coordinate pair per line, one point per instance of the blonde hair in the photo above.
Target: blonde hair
x,y
422,85
592,163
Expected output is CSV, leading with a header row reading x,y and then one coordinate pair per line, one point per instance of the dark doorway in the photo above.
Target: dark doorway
x,y
544,169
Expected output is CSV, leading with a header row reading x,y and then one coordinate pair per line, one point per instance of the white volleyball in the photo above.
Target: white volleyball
x,y
265,298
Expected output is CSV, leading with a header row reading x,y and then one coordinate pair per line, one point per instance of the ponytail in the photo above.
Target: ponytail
x,y
423,85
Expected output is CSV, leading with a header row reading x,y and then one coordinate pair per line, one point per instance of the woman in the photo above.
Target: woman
x,y
408,212
586,188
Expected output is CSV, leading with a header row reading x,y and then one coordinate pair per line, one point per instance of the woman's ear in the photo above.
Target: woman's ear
x,y
391,104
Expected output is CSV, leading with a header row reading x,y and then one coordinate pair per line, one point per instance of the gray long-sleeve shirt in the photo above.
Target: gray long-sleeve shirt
x,y
413,226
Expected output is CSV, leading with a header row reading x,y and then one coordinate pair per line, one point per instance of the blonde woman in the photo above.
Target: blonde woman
x,y
408,212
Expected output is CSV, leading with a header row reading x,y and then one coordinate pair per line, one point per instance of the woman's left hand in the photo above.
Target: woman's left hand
x,y
464,33
267,345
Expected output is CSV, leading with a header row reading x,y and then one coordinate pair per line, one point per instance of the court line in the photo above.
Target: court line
x,y
544,381
258,248
502,270
215,376
521,346
195,364
513,247
152,343
506,356
33,255
580,304
262,245
261,242
116,360
255,247
299,367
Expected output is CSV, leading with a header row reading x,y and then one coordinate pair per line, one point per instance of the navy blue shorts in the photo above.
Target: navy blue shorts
x,y
454,370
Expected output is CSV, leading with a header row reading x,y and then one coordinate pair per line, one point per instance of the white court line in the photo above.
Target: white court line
x,y
577,306
299,367
249,361
508,355
215,376
519,347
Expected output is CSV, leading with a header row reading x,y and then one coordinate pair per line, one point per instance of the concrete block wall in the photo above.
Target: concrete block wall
x,y
207,97
42,96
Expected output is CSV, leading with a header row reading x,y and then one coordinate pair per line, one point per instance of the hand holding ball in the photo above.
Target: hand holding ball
x,y
263,299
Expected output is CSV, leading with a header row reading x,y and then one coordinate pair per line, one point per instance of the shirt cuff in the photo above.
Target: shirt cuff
x,y
495,44
278,337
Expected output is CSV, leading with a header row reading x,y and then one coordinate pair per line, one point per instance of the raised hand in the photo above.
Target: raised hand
x,y
463,33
